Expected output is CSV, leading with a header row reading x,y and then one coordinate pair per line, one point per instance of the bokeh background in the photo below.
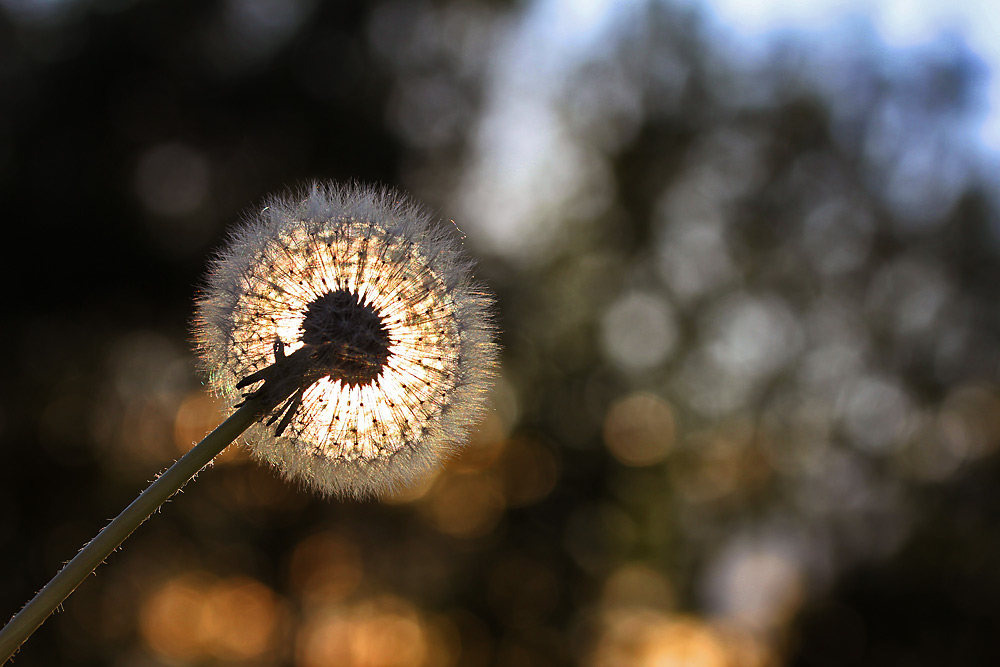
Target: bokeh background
x,y
748,412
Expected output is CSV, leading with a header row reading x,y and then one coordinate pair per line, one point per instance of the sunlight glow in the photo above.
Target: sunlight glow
x,y
388,274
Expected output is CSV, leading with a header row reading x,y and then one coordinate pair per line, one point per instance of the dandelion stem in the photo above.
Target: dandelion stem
x,y
93,554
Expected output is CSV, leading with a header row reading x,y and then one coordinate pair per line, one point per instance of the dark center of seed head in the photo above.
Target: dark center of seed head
x,y
351,342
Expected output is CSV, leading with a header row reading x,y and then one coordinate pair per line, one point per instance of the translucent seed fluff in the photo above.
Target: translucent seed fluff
x,y
354,316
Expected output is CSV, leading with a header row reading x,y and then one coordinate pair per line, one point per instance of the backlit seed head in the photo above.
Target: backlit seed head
x,y
354,318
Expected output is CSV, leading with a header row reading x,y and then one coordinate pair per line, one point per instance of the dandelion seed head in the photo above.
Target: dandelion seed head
x,y
360,313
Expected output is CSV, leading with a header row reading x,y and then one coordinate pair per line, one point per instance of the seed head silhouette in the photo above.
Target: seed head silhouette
x,y
354,318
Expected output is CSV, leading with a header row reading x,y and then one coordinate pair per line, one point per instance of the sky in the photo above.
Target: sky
x,y
522,139
901,25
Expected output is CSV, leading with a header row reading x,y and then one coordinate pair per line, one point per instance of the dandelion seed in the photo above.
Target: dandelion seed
x,y
355,319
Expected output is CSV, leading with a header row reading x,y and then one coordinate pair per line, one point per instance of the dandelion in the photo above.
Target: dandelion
x,y
346,331
356,321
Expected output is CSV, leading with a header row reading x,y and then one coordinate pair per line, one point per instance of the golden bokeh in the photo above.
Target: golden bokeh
x,y
646,638
464,505
405,495
386,631
485,446
725,463
170,617
197,415
239,620
635,585
325,567
639,429
141,435
197,616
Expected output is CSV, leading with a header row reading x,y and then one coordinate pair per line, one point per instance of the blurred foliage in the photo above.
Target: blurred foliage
x,y
749,404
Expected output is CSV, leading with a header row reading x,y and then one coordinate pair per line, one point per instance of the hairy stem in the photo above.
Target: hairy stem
x,y
93,554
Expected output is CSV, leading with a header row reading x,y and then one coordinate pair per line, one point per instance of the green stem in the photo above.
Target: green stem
x,y
93,554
